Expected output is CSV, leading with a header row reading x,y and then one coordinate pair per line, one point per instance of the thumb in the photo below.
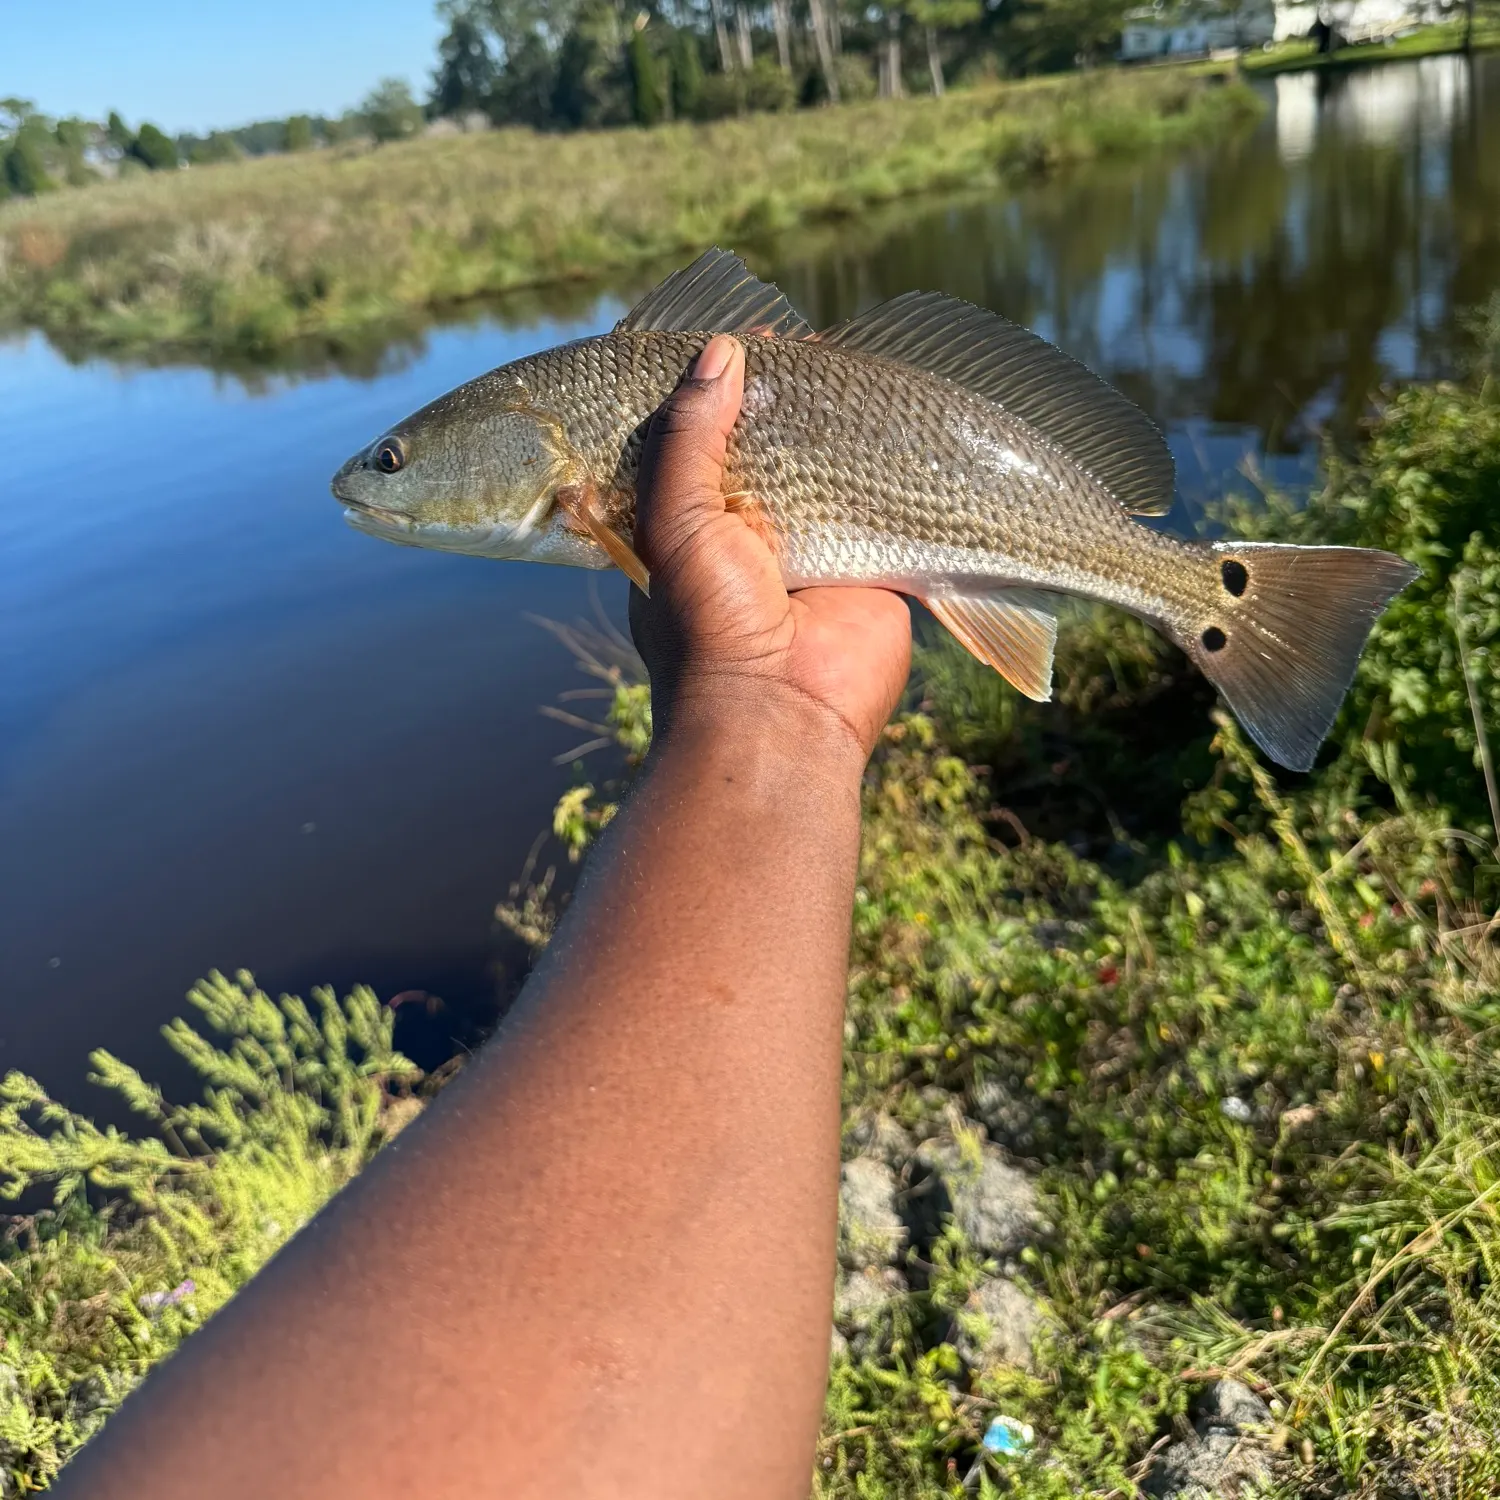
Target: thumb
x,y
682,466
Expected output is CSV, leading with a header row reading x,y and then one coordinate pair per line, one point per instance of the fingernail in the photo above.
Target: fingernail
x,y
714,360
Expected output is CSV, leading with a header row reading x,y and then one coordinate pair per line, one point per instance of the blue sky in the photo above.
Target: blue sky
x,y
189,66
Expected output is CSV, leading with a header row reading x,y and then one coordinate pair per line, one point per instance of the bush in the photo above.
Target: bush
x,y
649,98
25,165
389,112
769,88
146,1236
154,149
687,74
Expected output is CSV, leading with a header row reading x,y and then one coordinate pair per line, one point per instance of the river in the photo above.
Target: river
x,y
235,733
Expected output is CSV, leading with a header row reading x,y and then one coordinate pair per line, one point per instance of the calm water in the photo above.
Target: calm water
x,y
233,732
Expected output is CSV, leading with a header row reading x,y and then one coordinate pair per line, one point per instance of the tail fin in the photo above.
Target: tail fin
x,y
1283,646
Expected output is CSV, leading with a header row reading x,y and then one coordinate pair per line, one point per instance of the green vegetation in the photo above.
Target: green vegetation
x,y
132,1241
332,244
1246,1050
1249,1053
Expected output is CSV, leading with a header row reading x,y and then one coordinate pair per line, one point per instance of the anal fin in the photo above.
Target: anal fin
x,y
1012,630
580,505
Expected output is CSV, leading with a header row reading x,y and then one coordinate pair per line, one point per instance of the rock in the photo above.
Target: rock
x,y
992,1202
883,1137
1228,1454
838,1346
862,1307
998,1325
871,1230
1006,1112
1231,1406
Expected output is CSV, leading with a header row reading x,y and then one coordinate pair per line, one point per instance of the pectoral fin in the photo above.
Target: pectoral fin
x,y
580,505
1012,630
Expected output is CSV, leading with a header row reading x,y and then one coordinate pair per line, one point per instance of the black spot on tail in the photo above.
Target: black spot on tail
x,y
1235,576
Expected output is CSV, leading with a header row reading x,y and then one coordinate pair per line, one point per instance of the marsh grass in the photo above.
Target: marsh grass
x,y
253,256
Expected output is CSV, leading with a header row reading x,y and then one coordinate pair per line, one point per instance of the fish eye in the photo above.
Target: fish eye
x,y
390,455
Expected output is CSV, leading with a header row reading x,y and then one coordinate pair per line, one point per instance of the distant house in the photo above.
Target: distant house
x,y
1356,21
1188,31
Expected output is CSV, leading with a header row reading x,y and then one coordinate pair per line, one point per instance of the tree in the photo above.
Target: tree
x,y
219,146
73,138
942,15
118,133
14,113
721,35
823,17
299,133
593,75
153,148
781,17
1062,33
649,97
526,86
389,111
687,74
25,160
891,85
465,79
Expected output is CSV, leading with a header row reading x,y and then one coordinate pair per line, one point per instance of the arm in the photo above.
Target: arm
x,y
602,1264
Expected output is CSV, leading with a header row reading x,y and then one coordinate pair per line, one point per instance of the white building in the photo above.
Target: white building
x,y
1186,29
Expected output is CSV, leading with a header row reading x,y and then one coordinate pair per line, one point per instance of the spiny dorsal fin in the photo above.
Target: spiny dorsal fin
x,y
716,294
1098,428
1012,630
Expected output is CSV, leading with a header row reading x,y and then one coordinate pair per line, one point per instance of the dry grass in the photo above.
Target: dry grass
x,y
254,255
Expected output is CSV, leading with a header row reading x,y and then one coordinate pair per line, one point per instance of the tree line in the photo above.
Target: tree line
x,y
560,64
571,64
39,153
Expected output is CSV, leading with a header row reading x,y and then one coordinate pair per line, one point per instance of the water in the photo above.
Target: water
x,y
234,732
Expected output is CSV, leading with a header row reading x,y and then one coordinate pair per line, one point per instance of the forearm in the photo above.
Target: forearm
x,y
617,1229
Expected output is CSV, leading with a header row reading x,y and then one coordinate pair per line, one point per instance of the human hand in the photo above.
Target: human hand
x,y
720,634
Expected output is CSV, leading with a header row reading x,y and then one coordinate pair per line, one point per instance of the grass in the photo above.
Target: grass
x,y
134,1240
252,257
1428,41
1251,1030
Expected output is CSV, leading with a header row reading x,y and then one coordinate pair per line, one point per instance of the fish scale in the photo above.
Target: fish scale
x,y
892,460
927,446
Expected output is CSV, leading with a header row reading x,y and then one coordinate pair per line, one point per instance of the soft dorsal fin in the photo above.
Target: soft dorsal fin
x,y
1013,630
716,294
1099,429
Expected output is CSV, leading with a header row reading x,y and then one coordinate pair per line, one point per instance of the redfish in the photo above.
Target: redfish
x,y
927,446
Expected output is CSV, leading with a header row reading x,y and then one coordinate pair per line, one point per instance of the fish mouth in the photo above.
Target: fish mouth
x,y
379,512
364,516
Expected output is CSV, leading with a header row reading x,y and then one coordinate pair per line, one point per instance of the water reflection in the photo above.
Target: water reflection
x,y
1268,286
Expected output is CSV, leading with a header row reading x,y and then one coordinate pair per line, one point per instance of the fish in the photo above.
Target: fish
x,y
927,446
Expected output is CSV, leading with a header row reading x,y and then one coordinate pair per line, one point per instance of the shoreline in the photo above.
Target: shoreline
x,y
249,259
1442,40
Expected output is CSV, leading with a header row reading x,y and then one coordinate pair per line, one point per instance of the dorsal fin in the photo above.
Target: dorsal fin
x,y
716,294
1099,429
